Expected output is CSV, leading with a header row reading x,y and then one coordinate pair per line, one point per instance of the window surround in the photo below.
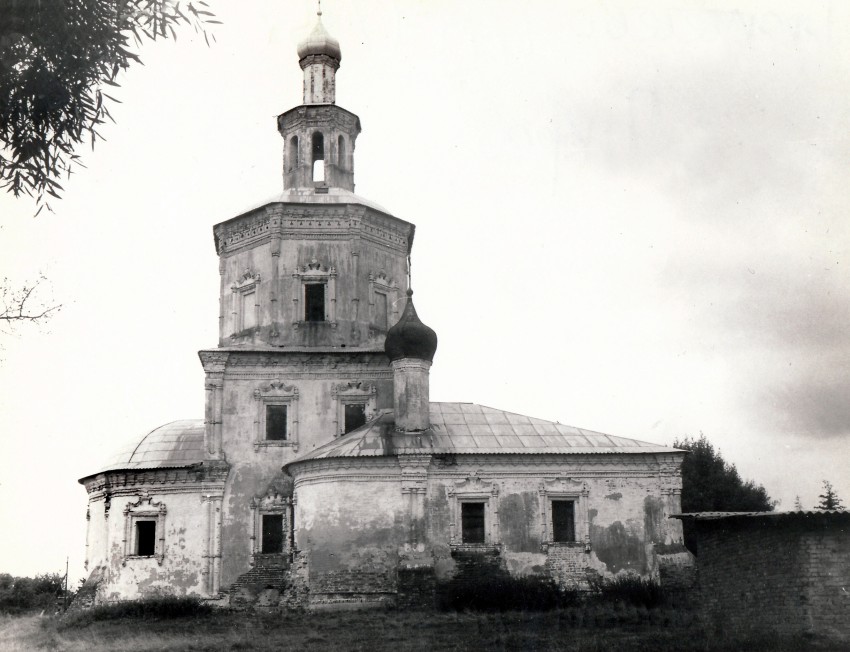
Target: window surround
x,y
474,490
244,286
356,391
270,504
314,272
276,392
564,488
144,509
380,284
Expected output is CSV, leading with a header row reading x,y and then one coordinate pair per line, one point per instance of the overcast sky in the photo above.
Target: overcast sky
x,y
631,218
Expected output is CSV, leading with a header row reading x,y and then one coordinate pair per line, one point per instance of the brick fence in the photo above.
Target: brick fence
x,y
785,572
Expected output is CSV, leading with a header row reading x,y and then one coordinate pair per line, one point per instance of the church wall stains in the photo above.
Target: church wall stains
x,y
359,533
111,548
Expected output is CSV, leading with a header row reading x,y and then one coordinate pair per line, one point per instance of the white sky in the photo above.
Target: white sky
x,y
631,217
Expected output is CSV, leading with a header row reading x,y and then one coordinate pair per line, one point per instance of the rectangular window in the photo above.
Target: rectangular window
x,y
355,416
272,533
563,520
276,422
314,302
381,310
146,538
472,522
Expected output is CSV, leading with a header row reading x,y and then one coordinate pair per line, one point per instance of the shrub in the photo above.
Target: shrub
x,y
21,594
158,608
630,589
503,593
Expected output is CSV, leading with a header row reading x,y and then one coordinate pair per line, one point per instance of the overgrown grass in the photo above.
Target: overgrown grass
x,y
630,589
159,608
504,593
585,628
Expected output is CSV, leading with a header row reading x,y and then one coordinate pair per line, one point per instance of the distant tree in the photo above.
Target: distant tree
x,y
56,57
22,594
710,484
829,500
24,304
798,506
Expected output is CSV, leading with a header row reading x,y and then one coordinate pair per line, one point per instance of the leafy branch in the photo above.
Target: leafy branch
x,y
56,59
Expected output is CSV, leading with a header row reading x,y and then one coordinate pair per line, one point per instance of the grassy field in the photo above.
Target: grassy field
x,y
572,630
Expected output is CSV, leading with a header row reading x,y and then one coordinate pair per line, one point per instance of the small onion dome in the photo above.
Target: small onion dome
x,y
410,338
319,42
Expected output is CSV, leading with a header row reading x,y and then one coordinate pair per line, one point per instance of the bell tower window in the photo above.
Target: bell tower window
x,y
318,156
340,153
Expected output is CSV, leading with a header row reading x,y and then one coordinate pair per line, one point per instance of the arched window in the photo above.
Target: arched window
x,y
293,153
318,156
340,153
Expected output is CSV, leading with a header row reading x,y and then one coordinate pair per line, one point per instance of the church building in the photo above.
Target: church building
x,y
322,474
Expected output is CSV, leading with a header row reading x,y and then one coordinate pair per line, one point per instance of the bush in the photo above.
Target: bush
x,y
503,593
630,589
21,594
159,608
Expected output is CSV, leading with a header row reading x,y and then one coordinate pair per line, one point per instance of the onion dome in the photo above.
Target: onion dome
x,y
319,42
410,338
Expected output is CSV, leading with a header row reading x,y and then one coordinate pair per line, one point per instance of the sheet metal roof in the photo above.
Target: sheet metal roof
x,y
468,428
716,516
174,445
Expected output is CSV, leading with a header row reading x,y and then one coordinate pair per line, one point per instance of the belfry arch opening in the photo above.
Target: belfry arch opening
x,y
318,156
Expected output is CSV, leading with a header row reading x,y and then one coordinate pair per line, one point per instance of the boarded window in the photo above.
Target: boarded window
x,y
355,416
145,538
272,533
563,520
472,522
276,422
314,302
381,310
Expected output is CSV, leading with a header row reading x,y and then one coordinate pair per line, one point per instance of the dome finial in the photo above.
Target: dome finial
x,y
319,12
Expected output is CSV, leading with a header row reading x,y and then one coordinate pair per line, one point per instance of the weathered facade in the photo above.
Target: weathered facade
x,y
322,473
782,572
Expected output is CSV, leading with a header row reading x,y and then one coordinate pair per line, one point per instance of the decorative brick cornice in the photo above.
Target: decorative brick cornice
x,y
214,361
308,221
189,479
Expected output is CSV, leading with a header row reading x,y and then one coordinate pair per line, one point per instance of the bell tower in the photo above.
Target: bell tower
x,y
318,136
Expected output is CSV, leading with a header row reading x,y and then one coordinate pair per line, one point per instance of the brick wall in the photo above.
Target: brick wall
x,y
567,564
677,571
785,576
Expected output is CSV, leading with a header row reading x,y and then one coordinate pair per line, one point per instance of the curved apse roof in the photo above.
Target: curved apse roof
x,y
174,445
468,428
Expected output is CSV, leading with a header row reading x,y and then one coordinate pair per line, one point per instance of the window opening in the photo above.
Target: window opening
x,y
276,422
563,520
381,310
355,416
318,156
146,538
272,533
472,522
314,302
